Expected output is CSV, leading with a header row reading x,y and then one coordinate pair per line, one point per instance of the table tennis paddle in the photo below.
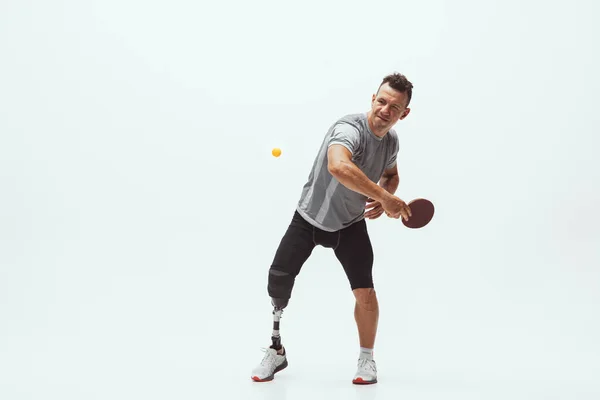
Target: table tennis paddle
x,y
422,211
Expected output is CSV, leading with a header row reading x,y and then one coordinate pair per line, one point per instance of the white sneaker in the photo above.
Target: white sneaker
x,y
366,373
269,366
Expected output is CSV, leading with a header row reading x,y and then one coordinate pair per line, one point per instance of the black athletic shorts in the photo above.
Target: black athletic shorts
x,y
351,245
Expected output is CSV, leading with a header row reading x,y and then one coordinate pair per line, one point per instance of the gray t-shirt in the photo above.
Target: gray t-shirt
x,y
325,202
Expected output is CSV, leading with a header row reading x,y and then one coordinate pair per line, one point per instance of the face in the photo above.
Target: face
x,y
388,106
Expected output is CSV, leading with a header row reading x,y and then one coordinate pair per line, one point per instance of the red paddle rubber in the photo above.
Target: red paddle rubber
x,y
422,211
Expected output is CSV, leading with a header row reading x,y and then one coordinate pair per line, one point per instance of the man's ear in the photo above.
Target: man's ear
x,y
405,113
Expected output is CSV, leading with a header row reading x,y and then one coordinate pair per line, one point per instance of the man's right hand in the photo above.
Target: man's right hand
x,y
395,207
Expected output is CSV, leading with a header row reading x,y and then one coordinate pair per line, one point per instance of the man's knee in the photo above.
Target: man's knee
x,y
366,298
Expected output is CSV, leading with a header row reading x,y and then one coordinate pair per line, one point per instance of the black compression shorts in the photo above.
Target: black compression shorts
x,y
351,245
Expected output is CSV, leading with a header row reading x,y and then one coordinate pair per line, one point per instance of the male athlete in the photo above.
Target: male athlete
x,y
358,152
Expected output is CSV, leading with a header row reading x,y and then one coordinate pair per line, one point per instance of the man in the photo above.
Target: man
x,y
358,152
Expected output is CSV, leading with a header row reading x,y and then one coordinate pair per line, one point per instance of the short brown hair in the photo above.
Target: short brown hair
x,y
399,82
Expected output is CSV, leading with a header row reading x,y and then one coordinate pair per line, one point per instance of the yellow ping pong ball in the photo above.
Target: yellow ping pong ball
x,y
276,152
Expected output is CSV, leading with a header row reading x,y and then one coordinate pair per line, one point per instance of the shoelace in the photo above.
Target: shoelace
x,y
268,359
367,364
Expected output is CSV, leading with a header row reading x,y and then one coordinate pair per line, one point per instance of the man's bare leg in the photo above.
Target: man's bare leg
x,y
366,314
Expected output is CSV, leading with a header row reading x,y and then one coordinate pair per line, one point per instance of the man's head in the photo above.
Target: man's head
x,y
390,104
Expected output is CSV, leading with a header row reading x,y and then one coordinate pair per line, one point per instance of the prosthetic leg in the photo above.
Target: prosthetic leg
x,y
279,287
275,358
278,306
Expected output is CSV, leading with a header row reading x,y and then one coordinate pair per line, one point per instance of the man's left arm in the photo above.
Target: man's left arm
x,y
390,179
389,182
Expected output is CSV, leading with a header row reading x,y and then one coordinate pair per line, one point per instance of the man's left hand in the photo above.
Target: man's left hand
x,y
373,209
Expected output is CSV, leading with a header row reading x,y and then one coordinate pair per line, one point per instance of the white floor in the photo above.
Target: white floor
x,y
156,335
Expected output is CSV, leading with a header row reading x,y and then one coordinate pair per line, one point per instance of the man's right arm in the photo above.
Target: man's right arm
x,y
340,165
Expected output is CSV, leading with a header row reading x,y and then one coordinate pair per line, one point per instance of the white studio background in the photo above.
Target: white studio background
x,y
140,206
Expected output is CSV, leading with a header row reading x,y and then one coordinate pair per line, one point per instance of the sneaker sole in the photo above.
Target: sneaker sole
x,y
283,365
361,381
